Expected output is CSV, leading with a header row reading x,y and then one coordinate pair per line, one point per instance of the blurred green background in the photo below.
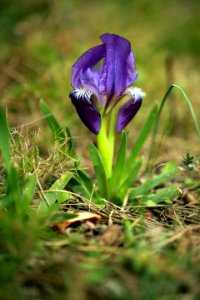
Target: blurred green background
x,y
41,39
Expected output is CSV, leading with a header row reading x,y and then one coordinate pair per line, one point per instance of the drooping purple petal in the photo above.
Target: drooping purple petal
x,y
82,71
87,112
126,113
118,65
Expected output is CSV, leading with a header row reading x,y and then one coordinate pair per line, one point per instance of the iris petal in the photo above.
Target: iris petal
x,y
87,112
127,112
118,65
130,70
82,70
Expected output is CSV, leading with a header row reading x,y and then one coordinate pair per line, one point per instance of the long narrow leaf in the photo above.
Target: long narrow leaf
x,y
194,118
164,195
51,120
99,170
88,186
191,109
56,193
141,138
28,192
85,182
29,188
4,139
146,187
70,142
130,177
13,193
119,164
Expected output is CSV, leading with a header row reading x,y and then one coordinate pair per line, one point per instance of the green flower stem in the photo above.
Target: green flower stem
x,y
112,131
105,146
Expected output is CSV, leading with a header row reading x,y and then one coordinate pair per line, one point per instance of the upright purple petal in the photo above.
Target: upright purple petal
x,y
130,70
118,66
87,112
127,112
82,70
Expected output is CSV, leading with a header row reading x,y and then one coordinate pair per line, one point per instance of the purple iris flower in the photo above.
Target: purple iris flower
x,y
101,77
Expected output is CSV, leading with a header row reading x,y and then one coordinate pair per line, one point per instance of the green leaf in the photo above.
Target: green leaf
x,y
13,193
99,171
141,138
130,177
119,164
163,195
146,187
20,197
51,120
70,142
169,167
56,193
88,186
154,135
191,109
4,139
85,182
29,188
